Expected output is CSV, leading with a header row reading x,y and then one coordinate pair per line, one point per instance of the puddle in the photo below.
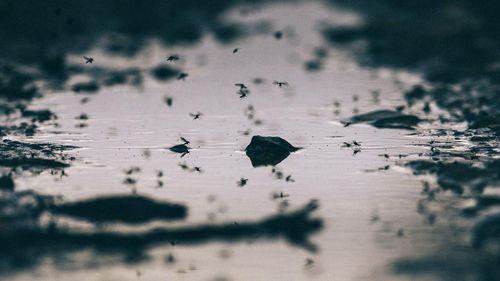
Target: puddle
x,y
150,162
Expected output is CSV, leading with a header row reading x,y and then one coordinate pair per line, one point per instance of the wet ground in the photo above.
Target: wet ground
x,y
135,167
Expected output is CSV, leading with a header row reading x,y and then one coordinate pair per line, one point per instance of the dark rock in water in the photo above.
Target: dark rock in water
x,y
39,115
385,119
127,209
180,148
89,87
402,122
6,183
264,151
375,115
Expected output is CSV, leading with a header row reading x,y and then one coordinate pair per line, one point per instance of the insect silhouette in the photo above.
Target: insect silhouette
x,y
245,133
280,195
173,58
243,93
241,85
132,170
242,182
129,181
182,76
168,101
280,84
196,115
427,108
180,148
236,50
385,168
183,166
88,60
82,116
170,258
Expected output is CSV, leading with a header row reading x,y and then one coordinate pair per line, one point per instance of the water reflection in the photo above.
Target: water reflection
x,y
128,209
25,241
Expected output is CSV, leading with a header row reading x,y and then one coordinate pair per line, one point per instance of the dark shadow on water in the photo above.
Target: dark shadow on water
x,y
458,176
164,73
24,242
38,115
16,85
455,266
487,230
128,209
85,87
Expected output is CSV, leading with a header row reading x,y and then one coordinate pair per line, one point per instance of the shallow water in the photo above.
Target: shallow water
x,y
370,218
